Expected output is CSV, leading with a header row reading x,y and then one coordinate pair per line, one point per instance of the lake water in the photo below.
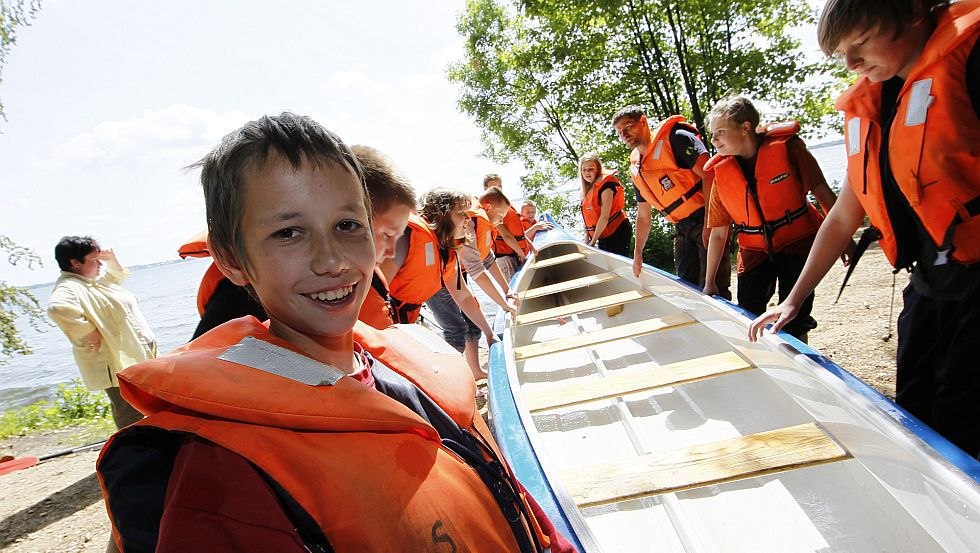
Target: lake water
x,y
168,298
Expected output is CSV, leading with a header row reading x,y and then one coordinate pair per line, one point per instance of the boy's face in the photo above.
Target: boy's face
x,y
310,250
388,228
878,55
496,211
529,212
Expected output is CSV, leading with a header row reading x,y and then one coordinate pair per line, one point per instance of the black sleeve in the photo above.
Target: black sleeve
x,y
687,147
973,78
636,194
228,302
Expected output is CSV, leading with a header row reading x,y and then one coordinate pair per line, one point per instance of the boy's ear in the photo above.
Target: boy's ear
x,y
232,271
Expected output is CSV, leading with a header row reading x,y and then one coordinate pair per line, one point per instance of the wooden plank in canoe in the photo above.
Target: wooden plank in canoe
x,y
568,285
582,306
558,260
604,335
628,382
723,461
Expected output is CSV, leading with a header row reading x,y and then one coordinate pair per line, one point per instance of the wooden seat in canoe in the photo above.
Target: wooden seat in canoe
x,y
582,306
620,332
701,465
629,382
568,285
558,260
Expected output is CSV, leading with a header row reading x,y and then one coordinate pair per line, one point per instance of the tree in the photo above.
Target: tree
x,y
542,78
12,15
15,301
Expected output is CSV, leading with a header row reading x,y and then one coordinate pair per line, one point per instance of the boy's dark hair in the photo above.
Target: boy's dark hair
x,y
489,177
843,17
386,184
632,113
298,139
73,247
436,207
494,195
737,109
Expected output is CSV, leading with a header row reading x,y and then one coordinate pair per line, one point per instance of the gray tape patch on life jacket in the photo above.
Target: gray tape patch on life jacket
x,y
270,358
428,339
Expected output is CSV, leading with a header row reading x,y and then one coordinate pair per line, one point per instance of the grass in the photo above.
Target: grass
x,y
73,406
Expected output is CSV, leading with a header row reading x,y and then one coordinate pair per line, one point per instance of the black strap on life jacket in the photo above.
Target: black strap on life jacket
x,y
503,488
768,228
400,310
870,234
687,196
380,288
964,211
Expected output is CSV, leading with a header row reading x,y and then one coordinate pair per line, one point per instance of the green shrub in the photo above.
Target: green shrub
x,y
73,405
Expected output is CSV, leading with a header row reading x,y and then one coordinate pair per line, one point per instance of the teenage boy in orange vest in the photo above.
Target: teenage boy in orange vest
x,y
667,166
510,245
306,434
912,126
392,202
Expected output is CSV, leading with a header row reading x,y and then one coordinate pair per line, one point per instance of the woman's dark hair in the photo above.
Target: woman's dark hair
x,y
73,247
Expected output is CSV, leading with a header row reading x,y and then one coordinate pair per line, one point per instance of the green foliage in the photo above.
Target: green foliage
x,y
13,14
543,78
73,405
16,301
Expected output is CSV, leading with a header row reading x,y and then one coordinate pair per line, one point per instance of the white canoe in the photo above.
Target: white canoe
x,y
640,416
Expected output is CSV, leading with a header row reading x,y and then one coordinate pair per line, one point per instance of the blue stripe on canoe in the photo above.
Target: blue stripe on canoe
x,y
516,447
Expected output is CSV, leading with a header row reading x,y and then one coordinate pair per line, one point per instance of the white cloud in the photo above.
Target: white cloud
x,y
152,135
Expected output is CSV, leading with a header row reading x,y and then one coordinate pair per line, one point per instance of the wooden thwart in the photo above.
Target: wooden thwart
x,y
601,336
558,260
629,382
724,461
568,285
581,306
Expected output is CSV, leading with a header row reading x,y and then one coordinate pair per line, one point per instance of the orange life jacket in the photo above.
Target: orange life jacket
x,y
376,310
512,220
421,275
592,205
370,472
197,246
786,214
936,171
673,191
484,233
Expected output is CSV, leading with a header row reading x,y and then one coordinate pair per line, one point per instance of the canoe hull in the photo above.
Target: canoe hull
x,y
652,424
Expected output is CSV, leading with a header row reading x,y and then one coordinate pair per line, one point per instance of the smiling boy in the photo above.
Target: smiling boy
x,y
292,436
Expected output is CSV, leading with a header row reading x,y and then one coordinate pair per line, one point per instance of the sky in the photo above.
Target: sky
x,y
107,102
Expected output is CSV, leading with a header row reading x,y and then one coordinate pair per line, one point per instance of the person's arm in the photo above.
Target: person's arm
x,y
717,239
470,306
509,239
65,309
707,183
644,219
505,299
835,233
606,197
